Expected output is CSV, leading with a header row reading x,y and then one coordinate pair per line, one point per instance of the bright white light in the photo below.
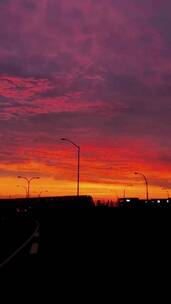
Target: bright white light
x,y
167,201
128,200
158,201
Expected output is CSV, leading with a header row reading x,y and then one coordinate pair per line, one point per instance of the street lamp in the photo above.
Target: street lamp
x,y
28,182
78,166
146,182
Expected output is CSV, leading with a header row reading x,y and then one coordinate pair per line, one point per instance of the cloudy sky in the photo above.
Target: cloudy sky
x,y
97,72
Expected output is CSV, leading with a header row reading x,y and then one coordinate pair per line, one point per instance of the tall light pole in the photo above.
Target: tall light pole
x,y
146,182
78,163
28,183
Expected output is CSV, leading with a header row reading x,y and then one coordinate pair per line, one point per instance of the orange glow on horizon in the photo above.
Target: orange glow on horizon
x,y
105,172
13,187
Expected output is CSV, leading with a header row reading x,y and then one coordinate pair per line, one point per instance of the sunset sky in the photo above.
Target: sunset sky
x,y
97,72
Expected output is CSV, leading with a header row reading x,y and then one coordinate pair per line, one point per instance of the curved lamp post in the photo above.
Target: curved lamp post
x,y
78,166
28,183
146,182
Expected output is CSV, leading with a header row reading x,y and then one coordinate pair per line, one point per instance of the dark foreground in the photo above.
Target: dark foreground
x,y
55,241
65,237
